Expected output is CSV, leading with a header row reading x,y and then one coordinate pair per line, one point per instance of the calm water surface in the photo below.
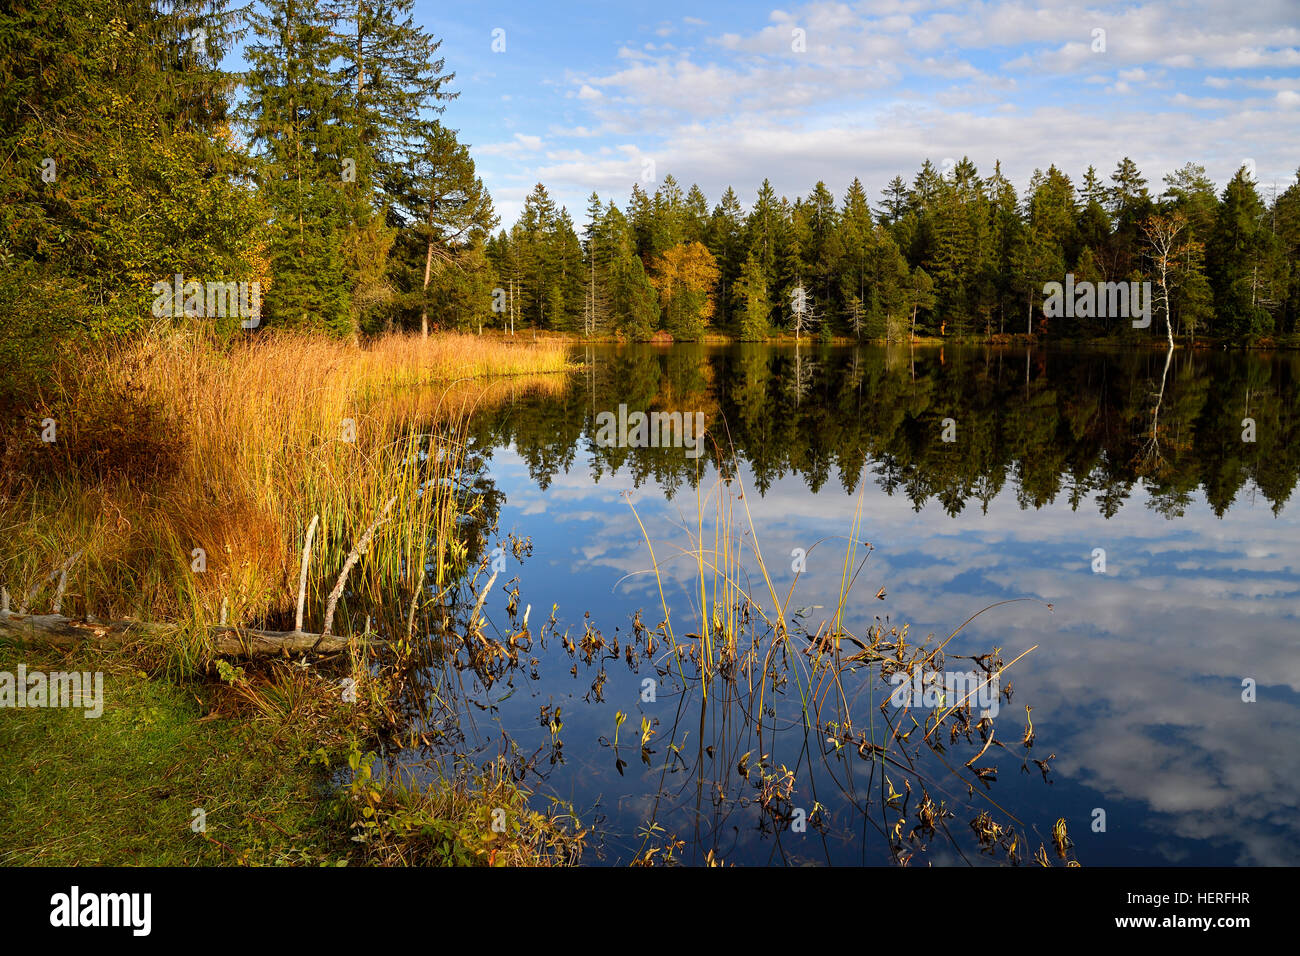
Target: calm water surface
x,y
1136,682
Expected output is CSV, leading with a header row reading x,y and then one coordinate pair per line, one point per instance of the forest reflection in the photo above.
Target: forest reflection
x,y
1035,423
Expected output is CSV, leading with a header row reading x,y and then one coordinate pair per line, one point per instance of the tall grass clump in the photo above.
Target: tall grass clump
x,y
778,681
184,474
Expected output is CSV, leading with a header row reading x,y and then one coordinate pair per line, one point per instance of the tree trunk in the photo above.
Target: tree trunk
x,y
227,641
428,268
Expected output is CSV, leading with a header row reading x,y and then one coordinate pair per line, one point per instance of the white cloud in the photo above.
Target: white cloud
x,y
885,85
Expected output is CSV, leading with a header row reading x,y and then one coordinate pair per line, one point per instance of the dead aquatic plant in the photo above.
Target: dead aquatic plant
x,y
766,669
765,689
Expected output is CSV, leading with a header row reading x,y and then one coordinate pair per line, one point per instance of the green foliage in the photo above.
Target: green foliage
x,y
1237,246
120,169
635,302
953,254
460,293
754,307
442,266
305,129
484,822
359,212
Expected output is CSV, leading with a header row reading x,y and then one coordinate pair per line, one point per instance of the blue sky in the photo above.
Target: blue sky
x,y
586,95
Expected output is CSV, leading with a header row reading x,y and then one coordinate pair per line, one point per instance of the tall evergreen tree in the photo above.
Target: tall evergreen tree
x,y
598,254
753,305
634,300
855,239
1286,225
725,240
390,68
119,169
1130,206
442,206
303,126
695,216
1237,251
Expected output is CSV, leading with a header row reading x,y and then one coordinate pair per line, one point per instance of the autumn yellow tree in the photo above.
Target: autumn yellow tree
x,y
685,277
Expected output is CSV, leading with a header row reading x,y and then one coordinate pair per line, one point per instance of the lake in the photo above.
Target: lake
x,y
1133,506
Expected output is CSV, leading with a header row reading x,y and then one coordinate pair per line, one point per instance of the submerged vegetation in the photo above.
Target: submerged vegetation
x,y
775,718
772,678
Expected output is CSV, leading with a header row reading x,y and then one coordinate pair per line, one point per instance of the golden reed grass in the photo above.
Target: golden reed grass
x,y
176,443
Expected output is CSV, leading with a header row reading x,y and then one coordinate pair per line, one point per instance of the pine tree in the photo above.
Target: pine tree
x,y
762,231
958,231
752,302
855,238
1130,206
1051,240
443,206
667,219
391,70
461,295
893,201
891,283
539,261
1006,236
823,251
914,232
1093,190
119,168
794,296
300,121
725,240
1237,250
640,218
597,255
567,297
119,171
919,294
695,216
1286,219
635,301
1189,191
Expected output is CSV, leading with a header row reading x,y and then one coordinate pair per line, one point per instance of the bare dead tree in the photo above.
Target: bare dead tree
x,y
1163,232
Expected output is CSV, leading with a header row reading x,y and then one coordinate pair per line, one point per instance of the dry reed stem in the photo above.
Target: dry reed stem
x,y
360,549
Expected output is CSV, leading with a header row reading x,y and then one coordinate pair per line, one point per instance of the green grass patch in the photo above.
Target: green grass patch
x,y
254,750
121,789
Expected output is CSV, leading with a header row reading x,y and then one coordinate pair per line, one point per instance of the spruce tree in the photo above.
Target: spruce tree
x,y
302,125
390,68
725,239
119,168
1237,251
443,207
635,301
753,305
597,255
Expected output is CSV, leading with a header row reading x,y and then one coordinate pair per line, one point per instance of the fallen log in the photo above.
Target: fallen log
x,y
58,630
